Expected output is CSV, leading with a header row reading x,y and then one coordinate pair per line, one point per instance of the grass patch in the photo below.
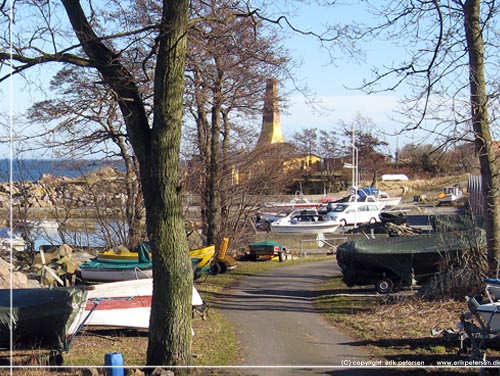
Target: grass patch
x,y
396,327
214,343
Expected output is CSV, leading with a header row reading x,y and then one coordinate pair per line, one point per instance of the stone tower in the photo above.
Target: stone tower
x,y
271,126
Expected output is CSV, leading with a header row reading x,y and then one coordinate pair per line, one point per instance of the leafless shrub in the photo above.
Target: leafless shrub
x,y
462,272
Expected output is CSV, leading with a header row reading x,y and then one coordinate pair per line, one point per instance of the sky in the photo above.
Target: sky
x,y
333,84
326,81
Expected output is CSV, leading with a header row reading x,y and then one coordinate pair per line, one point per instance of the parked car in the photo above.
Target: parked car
x,y
354,213
268,249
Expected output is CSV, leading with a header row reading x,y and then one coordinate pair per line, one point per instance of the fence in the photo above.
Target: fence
x,y
321,245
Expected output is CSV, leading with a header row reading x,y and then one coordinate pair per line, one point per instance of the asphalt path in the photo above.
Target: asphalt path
x,y
280,332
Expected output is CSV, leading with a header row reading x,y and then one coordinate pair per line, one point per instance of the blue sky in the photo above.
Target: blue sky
x,y
331,83
328,82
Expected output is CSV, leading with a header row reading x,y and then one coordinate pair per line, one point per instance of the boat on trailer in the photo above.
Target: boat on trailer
x,y
399,260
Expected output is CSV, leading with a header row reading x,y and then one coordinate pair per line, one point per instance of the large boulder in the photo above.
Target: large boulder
x,y
8,276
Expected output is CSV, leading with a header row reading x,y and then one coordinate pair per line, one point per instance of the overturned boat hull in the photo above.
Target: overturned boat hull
x,y
110,274
41,317
125,304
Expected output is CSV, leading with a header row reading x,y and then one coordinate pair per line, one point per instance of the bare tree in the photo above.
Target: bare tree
x,y
306,141
445,43
85,119
225,84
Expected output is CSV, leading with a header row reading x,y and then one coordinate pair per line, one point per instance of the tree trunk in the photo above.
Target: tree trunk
x,y
481,126
213,214
170,322
157,150
134,202
203,142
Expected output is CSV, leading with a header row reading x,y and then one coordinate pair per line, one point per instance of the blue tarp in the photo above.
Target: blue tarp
x,y
369,191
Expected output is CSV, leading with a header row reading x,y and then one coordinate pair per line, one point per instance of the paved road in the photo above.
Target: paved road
x,y
279,331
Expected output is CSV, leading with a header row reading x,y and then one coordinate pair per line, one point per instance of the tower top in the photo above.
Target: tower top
x,y
271,126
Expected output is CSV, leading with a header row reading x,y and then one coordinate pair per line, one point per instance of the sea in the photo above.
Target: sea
x,y
34,169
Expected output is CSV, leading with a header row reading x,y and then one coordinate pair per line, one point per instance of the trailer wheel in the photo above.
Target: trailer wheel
x,y
283,255
214,269
223,267
384,286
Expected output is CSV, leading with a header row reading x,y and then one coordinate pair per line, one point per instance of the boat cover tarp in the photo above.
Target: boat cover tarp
x,y
367,191
39,317
144,261
265,249
264,244
404,256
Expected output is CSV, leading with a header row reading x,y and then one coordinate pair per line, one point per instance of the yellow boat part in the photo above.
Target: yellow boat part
x,y
203,256
123,255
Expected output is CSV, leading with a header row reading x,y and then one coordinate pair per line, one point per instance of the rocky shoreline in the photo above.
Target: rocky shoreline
x,y
50,194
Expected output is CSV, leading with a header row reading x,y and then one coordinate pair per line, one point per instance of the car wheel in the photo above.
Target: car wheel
x,y
343,222
282,255
384,286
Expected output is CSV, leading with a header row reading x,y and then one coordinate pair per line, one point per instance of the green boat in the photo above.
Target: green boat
x,y
109,270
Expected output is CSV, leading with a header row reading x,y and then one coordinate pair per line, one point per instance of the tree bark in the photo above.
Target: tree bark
x,y
170,322
481,126
157,150
214,209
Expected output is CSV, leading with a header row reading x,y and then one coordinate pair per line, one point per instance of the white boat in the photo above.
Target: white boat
x,y
489,311
492,289
113,275
305,221
125,304
299,202
384,199
375,195
481,322
490,315
450,194
8,240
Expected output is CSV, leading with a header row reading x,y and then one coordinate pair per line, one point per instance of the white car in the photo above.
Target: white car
x,y
355,213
